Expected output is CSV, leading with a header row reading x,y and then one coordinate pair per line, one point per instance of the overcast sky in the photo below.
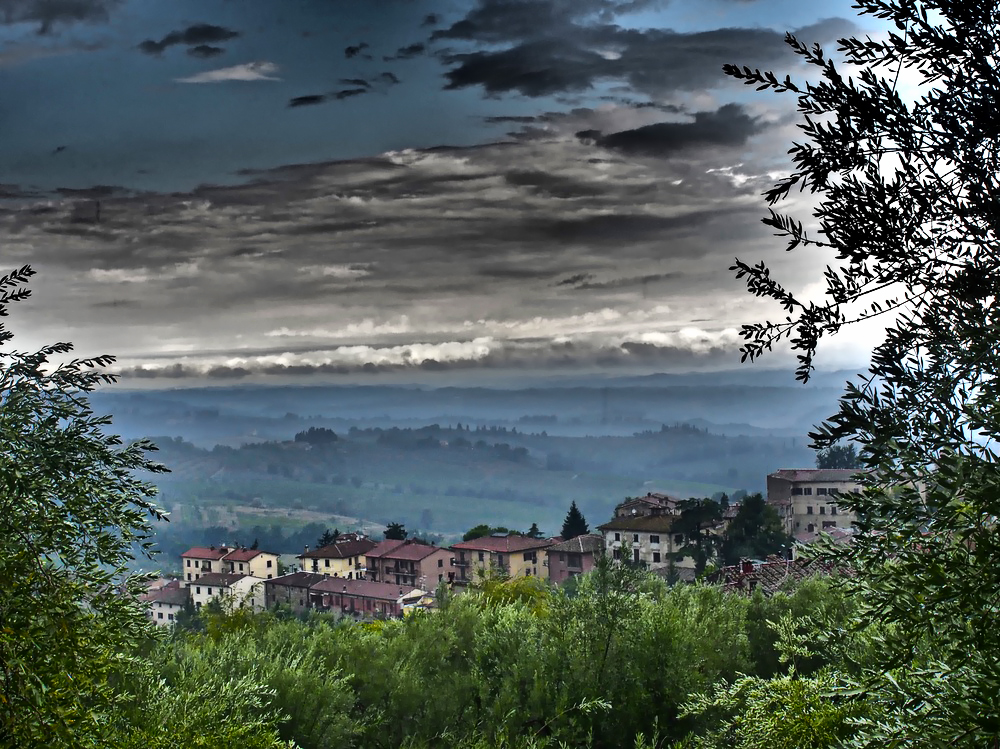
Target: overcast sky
x,y
252,190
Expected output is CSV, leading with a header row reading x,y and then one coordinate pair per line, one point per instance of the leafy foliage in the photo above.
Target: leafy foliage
x,y
395,532
756,532
907,192
838,456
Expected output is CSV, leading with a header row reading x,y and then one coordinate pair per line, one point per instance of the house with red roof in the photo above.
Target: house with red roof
x,y
201,560
164,602
574,557
410,562
363,598
806,498
513,555
339,559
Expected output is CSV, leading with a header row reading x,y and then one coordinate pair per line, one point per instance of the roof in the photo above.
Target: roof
x,y
205,552
503,544
586,544
816,474
245,555
169,596
645,523
297,579
339,550
410,550
363,588
771,576
221,579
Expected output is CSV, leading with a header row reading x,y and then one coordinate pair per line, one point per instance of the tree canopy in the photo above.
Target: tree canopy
x,y
838,456
395,532
575,523
907,186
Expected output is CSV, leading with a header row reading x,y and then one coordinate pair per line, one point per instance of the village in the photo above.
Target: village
x,y
358,577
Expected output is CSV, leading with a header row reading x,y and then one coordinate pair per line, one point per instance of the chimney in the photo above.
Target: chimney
x,y
746,566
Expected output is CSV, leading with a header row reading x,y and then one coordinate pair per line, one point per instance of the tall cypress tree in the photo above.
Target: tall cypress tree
x,y
575,523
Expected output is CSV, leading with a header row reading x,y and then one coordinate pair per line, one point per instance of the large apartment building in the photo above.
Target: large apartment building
x,y
340,559
513,555
806,498
410,563
202,560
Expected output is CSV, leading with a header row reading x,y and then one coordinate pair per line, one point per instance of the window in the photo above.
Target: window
x,y
196,575
822,509
269,574
811,527
209,591
188,562
326,562
170,617
529,556
809,510
635,538
797,490
198,590
440,564
829,524
189,576
833,491
654,539
635,555
618,537
499,558
678,538
821,490
269,564
807,491
656,557
159,614
241,566
562,557
440,578
527,572
482,556
833,510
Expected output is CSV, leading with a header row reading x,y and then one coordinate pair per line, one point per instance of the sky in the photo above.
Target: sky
x,y
235,191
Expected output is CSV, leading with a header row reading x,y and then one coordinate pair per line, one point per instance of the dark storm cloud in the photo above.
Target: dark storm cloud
x,y
387,78
575,279
356,82
355,50
559,46
305,101
407,52
729,125
625,283
205,51
431,19
50,13
347,93
198,34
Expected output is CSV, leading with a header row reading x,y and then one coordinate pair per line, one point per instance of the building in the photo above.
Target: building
x,y
574,557
340,559
653,503
771,576
292,590
363,598
165,602
806,499
516,556
200,560
645,539
410,563
241,590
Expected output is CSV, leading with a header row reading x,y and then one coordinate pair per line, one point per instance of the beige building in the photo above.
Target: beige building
x,y
516,556
240,591
165,603
341,559
645,539
201,560
806,499
410,563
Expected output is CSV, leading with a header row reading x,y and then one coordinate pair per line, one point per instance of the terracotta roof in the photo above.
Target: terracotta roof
x,y
339,550
816,474
503,544
220,579
297,580
586,544
204,552
363,588
644,523
410,550
245,555
771,576
172,596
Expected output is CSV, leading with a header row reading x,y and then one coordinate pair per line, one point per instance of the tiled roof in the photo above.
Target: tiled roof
x,y
816,474
409,550
297,580
172,596
204,552
586,544
220,579
503,544
644,523
245,555
771,576
339,550
363,588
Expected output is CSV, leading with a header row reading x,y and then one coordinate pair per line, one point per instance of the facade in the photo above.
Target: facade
x,y
806,499
644,539
201,560
165,602
410,563
341,559
292,590
574,557
363,598
242,590
516,556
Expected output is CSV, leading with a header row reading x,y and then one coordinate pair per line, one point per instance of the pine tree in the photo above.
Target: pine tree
x,y
575,523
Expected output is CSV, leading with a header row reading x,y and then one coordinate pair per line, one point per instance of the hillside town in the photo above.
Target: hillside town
x,y
358,577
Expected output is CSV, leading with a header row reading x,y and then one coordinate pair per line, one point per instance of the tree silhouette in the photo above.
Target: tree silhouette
x,y
838,456
575,523
395,532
